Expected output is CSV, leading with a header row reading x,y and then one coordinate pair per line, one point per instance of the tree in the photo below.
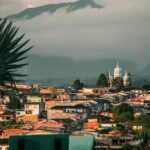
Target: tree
x,y
77,84
129,80
123,113
54,90
146,87
12,51
127,147
144,133
143,121
118,83
102,81
121,129
15,102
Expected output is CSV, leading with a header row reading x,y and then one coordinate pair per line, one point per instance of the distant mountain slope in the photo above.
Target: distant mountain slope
x,y
59,67
51,8
61,71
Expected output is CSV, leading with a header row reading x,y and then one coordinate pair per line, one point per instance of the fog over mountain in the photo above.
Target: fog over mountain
x,y
83,37
57,67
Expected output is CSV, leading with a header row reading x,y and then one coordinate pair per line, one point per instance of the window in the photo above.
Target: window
x,y
18,113
28,112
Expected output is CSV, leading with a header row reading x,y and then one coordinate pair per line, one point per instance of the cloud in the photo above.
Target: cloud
x,y
120,30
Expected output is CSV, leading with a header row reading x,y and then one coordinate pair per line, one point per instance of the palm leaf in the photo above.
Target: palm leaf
x,y
12,52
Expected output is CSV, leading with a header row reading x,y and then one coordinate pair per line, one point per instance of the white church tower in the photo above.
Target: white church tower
x,y
117,71
126,79
110,79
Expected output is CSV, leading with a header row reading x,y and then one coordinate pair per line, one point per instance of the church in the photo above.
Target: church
x,y
118,74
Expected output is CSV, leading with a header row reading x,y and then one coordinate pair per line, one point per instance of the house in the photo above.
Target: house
x,y
146,103
47,93
11,132
30,118
87,91
51,103
147,97
63,96
60,90
33,99
136,114
48,124
27,118
79,108
92,124
98,91
106,114
3,108
38,87
51,129
107,125
32,108
137,127
59,114
7,116
20,112
106,117
139,101
23,89
137,91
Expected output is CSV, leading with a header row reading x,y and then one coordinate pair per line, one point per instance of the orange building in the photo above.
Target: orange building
x,y
63,96
11,132
27,118
92,124
23,89
46,91
48,124
106,114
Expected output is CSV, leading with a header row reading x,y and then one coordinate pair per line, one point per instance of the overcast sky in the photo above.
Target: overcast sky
x,y
120,30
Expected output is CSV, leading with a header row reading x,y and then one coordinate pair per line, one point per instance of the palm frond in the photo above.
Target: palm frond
x,y
12,52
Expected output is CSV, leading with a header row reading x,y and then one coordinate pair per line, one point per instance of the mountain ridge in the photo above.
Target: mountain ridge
x,y
52,8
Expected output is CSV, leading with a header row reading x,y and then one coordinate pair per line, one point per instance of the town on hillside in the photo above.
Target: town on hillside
x,y
112,115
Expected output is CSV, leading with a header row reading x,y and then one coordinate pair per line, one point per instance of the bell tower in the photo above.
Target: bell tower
x,y
126,79
117,71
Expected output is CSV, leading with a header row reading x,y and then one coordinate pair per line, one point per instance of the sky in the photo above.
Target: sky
x,y
120,30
